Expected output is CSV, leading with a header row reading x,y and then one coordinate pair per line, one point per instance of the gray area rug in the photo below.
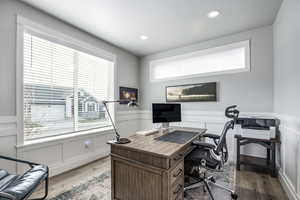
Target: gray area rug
x,y
226,178
95,189
98,188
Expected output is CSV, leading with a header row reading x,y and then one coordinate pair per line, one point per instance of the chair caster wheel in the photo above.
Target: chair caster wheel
x,y
234,196
212,179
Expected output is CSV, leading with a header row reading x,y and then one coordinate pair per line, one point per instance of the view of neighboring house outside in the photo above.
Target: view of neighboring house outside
x,y
63,87
42,111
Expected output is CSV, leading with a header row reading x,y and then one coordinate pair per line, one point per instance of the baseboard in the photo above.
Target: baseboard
x,y
287,186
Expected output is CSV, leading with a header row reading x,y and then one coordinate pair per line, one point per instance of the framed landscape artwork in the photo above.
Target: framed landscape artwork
x,y
127,94
199,92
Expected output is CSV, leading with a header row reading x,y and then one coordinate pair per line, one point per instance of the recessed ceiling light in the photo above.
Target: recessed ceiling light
x,y
213,14
144,37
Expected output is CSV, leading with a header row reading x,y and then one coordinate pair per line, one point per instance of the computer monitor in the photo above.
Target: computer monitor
x,y
166,112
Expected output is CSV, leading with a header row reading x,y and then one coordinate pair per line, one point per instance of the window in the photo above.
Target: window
x,y
224,59
63,88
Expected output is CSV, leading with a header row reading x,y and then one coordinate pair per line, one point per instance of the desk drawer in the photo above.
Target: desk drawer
x,y
141,157
179,156
177,190
179,197
177,173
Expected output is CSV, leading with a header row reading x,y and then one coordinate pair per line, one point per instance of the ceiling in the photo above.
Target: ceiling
x,y
167,23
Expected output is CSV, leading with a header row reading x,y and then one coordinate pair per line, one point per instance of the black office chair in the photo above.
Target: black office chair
x,y
20,187
210,156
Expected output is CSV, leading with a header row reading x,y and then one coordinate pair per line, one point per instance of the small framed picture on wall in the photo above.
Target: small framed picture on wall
x,y
127,94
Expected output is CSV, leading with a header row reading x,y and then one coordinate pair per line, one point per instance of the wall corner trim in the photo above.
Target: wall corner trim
x,y
287,186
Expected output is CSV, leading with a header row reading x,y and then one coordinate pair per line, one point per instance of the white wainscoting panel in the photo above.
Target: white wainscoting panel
x,y
8,137
66,153
128,122
289,159
48,155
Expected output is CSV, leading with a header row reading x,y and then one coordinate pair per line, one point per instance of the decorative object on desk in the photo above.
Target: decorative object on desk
x,y
192,92
118,139
147,132
127,94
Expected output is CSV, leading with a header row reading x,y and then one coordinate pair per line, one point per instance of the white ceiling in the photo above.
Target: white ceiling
x,y
168,23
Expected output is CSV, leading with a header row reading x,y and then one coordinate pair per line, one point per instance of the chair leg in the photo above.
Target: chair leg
x,y
222,187
46,189
192,186
198,184
208,189
232,192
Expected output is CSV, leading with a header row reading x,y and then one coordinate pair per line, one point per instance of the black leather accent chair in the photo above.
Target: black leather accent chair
x,y
208,156
19,187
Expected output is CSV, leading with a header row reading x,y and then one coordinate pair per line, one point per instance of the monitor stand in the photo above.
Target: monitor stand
x,y
165,127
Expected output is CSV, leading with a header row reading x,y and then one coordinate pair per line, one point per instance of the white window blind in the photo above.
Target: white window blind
x,y
63,88
225,59
93,83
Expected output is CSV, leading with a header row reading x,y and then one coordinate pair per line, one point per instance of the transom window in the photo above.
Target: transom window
x,y
230,58
63,88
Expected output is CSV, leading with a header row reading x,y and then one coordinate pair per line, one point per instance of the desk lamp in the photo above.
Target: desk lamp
x,y
118,139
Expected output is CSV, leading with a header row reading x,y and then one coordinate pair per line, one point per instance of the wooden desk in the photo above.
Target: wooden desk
x,y
149,169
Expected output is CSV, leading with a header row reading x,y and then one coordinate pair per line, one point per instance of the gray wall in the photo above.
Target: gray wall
x,y
252,91
286,59
286,91
128,64
60,155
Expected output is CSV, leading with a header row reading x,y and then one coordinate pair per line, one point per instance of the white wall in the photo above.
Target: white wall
x,y
286,92
66,152
252,91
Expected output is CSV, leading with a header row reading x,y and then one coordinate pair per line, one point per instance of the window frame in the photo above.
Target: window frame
x,y
245,44
24,24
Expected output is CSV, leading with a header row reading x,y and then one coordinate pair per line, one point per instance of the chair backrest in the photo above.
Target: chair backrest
x,y
232,113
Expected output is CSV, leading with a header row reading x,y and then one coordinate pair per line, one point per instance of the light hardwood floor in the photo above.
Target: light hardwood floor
x,y
260,186
251,185
66,181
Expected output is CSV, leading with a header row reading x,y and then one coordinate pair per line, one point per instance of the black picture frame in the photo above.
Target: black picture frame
x,y
207,92
126,94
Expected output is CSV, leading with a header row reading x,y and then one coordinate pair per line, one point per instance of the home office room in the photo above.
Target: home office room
x,y
149,100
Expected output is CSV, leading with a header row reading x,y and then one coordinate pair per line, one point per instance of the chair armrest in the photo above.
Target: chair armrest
x,y
212,136
24,185
200,144
7,196
18,160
